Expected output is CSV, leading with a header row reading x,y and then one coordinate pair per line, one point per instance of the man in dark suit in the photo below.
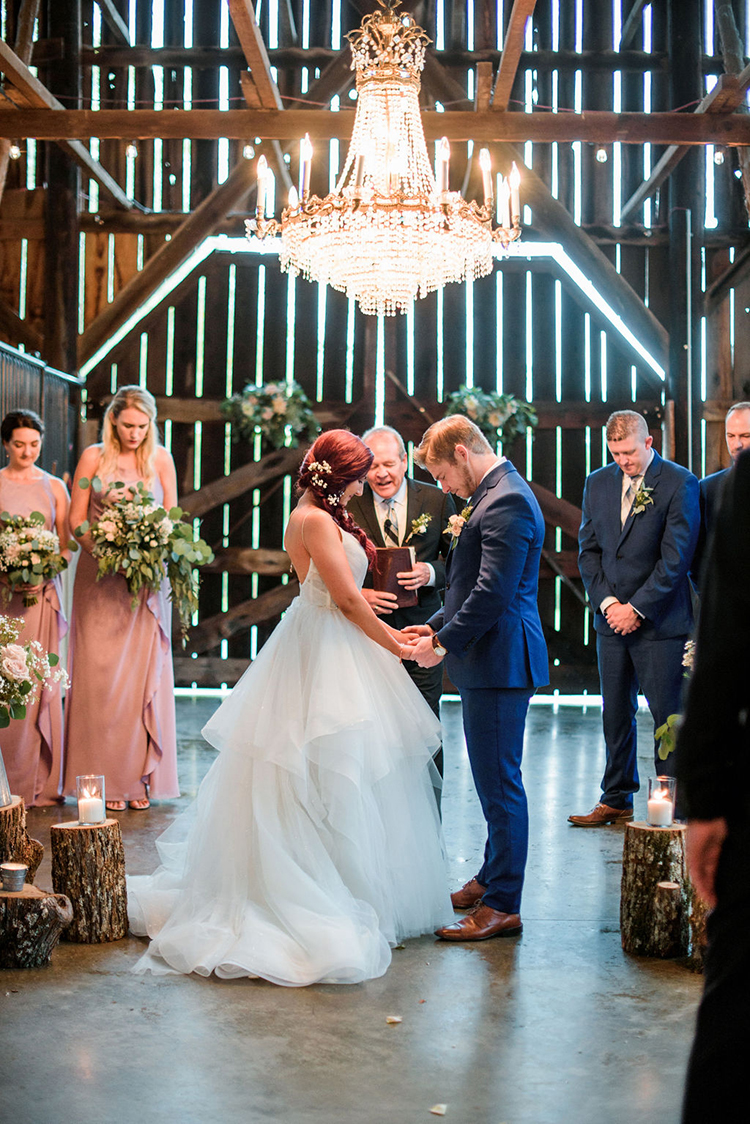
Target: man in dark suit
x,y
713,775
491,638
637,538
737,435
387,510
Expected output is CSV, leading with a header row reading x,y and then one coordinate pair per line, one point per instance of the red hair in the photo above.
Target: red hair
x,y
336,459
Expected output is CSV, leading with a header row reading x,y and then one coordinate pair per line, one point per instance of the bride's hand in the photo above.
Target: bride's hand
x,y
412,632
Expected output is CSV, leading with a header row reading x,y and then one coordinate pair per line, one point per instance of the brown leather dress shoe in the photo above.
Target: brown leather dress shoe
x,y
602,814
468,896
481,923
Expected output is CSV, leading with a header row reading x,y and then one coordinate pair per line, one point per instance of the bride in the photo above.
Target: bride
x,y
314,843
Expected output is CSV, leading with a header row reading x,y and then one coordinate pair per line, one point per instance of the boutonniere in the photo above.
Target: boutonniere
x,y
642,499
456,524
418,526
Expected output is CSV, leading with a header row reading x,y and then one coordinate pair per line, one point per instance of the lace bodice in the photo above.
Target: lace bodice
x,y
315,591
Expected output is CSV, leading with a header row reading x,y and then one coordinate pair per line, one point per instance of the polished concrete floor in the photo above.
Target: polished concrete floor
x,y
558,1027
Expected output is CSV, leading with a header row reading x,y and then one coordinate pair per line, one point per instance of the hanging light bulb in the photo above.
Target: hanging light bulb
x,y
718,156
132,150
247,152
601,154
14,151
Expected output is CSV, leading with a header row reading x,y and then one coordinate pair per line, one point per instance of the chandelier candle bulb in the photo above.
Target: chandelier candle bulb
x,y
359,170
293,198
443,161
504,202
485,163
515,194
305,155
260,198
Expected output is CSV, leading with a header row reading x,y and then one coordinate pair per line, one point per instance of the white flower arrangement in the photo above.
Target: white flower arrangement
x,y
419,526
279,412
25,670
29,554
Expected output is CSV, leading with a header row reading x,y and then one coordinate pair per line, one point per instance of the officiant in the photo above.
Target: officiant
x,y
395,510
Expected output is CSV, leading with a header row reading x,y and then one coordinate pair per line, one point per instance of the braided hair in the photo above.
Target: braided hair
x,y
336,459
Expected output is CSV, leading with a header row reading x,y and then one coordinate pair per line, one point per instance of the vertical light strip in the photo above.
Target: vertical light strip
x,y
380,373
110,268
113,379
529,338
231,311
499,373
81,283
439,355
349,386
440,25
168,435
470,25
143,363
169,371
469,309
587,357
291,317
200,336
321,350
603,364
336,25
558,341
410,350
273,24
704,358
22,278
633,383
197,452
260,325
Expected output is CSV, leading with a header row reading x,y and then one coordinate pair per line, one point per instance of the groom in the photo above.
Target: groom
x,y
490,636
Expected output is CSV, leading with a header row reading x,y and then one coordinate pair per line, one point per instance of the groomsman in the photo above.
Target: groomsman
x,y
388,509
737,436
490,636
638,534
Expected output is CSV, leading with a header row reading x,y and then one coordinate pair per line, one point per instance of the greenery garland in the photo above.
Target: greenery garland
x,y
501,417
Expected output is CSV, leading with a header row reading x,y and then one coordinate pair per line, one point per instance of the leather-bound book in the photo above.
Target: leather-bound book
x,y
394,560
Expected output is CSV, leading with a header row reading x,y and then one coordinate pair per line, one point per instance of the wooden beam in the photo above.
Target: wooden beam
x,y
243,480
168,257
726,96
208,671
595,127
632,23
24,42
733,51
512,49
19,331
251,41
483,87
114,20
245,560
37,95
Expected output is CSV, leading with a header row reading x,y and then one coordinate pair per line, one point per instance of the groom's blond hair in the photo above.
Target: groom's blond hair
x,y
439,441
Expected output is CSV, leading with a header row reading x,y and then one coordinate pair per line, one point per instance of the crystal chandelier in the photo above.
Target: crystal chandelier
x,y
391,230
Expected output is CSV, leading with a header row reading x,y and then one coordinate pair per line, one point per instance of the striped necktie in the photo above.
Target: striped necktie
x,y
390,526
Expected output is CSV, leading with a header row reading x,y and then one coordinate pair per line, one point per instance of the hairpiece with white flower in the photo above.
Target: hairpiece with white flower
x,y
317,470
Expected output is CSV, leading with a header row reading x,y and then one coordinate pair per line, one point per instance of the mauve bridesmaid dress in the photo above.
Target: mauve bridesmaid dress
x,y
33,747
120,715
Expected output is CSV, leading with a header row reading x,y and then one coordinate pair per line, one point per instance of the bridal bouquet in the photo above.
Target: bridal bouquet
x,y
29,553
142,541
25,670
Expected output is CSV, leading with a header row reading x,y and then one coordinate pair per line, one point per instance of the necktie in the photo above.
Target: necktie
x,y
390,526
627,501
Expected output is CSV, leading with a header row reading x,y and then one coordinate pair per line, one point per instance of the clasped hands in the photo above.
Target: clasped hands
x,y
622,619
418,645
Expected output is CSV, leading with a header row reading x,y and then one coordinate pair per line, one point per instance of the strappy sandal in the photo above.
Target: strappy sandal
x,y
139,805
116,805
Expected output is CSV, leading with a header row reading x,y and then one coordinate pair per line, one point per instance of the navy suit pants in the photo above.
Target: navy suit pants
x,y
494,721
625,662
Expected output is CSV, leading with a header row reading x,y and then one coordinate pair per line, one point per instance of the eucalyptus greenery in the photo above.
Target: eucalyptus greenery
x,y
501,417
280,412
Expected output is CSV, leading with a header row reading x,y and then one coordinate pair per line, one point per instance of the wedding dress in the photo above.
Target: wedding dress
x,y
314,843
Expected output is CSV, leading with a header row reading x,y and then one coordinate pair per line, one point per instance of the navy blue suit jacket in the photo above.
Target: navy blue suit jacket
x,y
646,562
490,622
711,491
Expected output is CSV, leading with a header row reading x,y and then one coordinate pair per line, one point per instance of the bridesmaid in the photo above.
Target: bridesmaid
x,y
33,748
120,719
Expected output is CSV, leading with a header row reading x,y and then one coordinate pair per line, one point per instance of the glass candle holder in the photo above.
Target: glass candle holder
x,y
90,795
13,876
660,807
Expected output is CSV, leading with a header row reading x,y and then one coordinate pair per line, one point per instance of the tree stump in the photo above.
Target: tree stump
x,y
654,896
31,923
88,865
16,846
699,912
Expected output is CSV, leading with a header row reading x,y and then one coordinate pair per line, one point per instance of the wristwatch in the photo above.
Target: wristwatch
x,y
441,651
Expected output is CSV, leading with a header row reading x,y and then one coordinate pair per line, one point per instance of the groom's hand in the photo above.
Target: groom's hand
x,y
414,630
423,652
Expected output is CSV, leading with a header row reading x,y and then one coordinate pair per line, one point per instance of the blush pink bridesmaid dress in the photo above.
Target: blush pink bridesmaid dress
x,y
120,715
33,747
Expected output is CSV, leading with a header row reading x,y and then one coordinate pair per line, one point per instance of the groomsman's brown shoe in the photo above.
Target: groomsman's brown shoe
x,y
481,923
468,896
602,814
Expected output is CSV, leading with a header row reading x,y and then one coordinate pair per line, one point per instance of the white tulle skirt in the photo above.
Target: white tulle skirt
x,y
314,844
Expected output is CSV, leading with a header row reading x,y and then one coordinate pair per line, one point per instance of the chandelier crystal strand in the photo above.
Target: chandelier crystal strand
x,y
386,234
